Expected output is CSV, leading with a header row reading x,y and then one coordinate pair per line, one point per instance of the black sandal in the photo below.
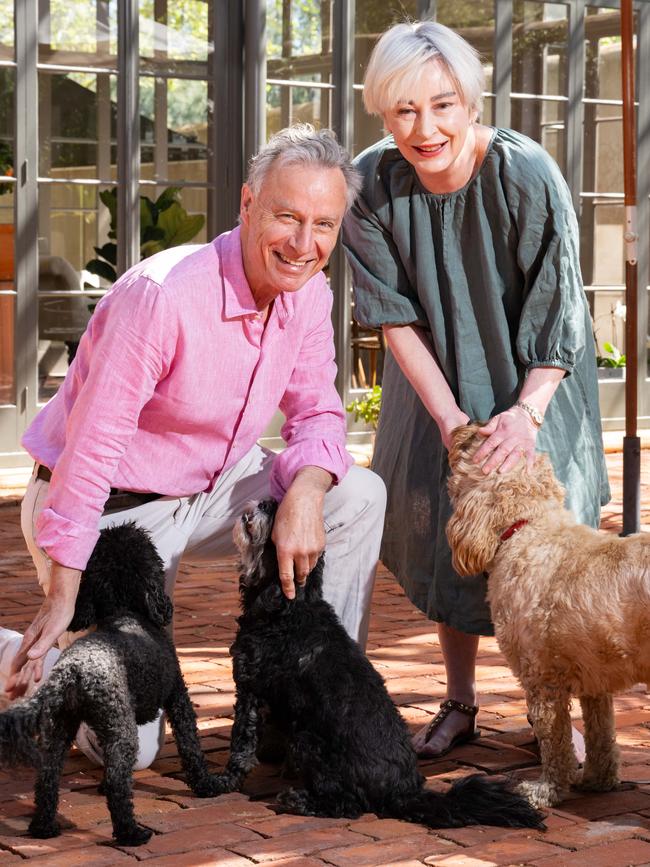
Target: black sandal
x,y
461,738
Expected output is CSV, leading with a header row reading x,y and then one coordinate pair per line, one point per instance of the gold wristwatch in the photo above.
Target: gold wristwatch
x,y
536,416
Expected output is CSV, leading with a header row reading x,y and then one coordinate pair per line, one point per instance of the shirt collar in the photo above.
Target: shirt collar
x,y
238,299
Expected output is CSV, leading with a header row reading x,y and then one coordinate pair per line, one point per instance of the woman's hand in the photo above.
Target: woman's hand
x,y
510,436
49,624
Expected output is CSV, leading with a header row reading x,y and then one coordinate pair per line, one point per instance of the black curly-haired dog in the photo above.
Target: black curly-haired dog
x,y
346,737
114,679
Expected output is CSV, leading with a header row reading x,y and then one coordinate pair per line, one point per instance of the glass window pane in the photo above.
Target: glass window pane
x,y
608,314
185,224
80,33
177,29
70,227
539,47
6,29
298,49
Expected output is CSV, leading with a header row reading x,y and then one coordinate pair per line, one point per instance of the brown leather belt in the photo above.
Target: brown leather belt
x,y
118,499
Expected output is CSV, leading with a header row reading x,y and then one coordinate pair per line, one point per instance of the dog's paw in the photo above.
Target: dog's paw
x,y
135,835
540,793
213,785
587,782
296,801
44,830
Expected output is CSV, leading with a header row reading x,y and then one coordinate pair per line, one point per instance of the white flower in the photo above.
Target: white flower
x,y
619,311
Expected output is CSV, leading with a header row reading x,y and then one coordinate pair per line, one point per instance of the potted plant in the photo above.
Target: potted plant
x,y
163,223
612,364
367,408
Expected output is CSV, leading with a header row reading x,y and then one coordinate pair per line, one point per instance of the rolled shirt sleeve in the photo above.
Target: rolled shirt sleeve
x,y
132,347
314,430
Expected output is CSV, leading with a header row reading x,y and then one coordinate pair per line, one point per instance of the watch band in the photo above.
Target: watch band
x,y
536,416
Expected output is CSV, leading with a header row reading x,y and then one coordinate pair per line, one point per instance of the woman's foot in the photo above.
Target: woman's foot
x,y
452,726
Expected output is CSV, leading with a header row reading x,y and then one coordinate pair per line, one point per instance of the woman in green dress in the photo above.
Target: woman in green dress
x,y
464,251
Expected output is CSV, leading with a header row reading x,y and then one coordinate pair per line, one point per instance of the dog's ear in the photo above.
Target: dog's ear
x,y
85,613
471,534
158,607
465,440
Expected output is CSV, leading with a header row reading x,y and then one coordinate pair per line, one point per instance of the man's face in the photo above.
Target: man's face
x,y
289,228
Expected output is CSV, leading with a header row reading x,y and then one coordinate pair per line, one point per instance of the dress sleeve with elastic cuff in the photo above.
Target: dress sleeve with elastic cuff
x,y
383,294
552,328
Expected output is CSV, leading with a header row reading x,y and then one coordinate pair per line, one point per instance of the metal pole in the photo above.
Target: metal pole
x,y
128,136
631,442
254,77
342,121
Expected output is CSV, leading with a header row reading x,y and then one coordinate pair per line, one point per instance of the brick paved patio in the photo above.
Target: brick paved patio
x,y
237,830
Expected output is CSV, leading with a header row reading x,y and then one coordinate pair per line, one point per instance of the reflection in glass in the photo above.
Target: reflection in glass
x,y
83,32
287,104
68,233
177,30
174,128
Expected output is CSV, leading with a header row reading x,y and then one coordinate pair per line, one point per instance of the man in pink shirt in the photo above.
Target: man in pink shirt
x,y
182,366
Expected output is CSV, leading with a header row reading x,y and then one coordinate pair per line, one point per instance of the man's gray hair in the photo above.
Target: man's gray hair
x,y
301,144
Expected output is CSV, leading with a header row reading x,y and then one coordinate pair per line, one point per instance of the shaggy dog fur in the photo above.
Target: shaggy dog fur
x,y
345,736
114,679
571,607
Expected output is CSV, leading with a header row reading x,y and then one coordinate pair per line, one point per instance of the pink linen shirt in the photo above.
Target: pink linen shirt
x,y
175,379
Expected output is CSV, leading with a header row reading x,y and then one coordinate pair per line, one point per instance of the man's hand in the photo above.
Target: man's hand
x,y
46,628
509,436
298,530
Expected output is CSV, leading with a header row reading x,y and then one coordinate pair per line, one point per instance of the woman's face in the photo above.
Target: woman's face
x,y
433,130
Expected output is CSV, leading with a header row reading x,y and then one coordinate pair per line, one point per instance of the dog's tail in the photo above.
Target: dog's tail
x,y
476,800
20,728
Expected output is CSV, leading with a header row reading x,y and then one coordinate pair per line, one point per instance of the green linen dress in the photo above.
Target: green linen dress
x,y
492,272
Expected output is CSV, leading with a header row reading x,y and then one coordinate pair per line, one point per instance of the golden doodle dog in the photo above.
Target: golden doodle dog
x,y
570,605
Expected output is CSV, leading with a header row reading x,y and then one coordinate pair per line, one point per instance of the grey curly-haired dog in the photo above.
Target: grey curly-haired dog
x,y
114,679
345,735
570,605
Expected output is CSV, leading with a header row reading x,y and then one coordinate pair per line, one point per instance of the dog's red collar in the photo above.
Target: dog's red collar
x,y
512,529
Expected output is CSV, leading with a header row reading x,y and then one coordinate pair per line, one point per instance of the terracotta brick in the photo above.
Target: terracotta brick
x,y
89,856
383,853
598,806
386,829
509,850
588,834
622,853
212,814
190,839
29,847
288,824
292,845
213,857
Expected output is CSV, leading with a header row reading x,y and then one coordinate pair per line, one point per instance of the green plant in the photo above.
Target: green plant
x,y
6,165
367,407
614,357
163,223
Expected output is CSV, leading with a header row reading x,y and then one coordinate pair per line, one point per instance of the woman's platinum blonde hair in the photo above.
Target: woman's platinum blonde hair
x,y
397,60
301,144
